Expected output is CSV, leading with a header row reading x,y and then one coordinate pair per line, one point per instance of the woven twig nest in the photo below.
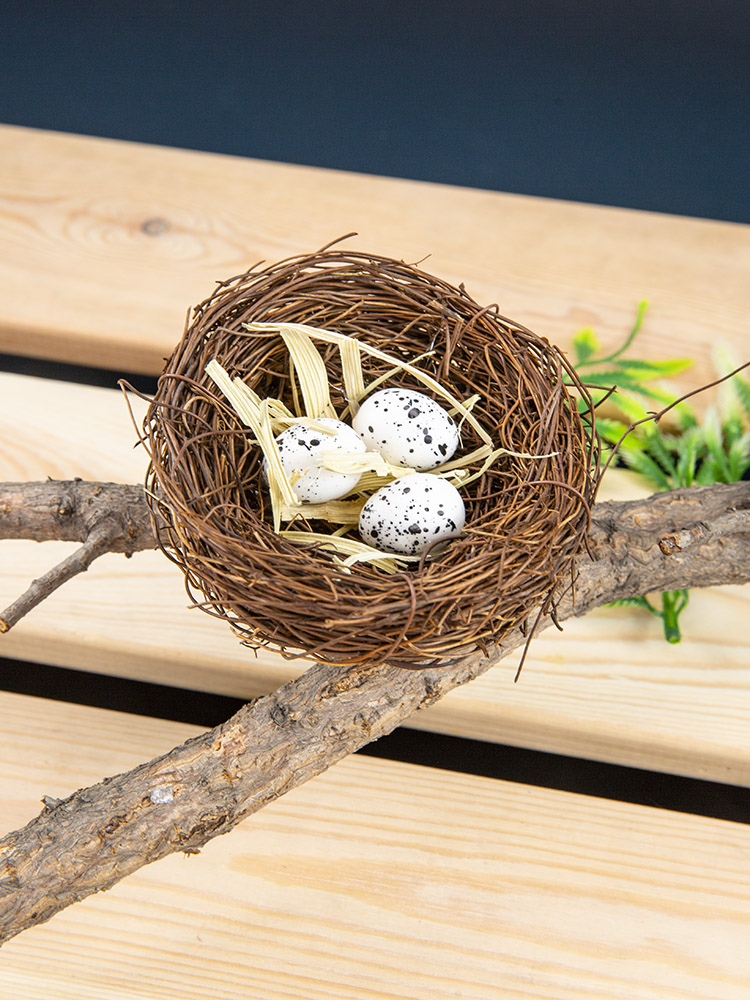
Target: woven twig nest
x,y
527,512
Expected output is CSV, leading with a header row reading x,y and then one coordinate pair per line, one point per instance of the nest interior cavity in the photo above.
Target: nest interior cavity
x,y
526,516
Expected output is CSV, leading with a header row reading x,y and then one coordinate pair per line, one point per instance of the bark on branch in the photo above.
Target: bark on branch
x,y
179,801
69,510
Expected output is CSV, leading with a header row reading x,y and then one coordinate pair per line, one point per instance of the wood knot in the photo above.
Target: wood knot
x,y
669,544
113,825
155,227
280,714
67,506
678,541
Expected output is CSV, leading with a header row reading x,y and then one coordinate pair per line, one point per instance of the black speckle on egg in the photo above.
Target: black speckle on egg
x,y
414,529
414,412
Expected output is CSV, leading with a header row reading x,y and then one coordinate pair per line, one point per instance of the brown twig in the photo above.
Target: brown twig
x,y
98,542
179,801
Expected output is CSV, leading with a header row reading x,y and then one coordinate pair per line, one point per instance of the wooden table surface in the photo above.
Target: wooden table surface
x,y
378,879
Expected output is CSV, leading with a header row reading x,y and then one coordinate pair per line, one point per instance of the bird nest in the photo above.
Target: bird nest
x,y
374,322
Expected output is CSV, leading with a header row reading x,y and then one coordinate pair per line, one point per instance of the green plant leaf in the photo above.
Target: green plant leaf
x,y
738,456
630,406
686,417
714,437
713,449
630,382
638,602
657,445
689,445
706,473
610,430
634,331
655,369
641,462
742,391
585,345
673,603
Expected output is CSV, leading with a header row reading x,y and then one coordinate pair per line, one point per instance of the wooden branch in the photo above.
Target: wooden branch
x,y
179,801
106,517
69,510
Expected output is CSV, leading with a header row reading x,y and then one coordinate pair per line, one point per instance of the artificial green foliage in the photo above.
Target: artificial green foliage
x,y
712,449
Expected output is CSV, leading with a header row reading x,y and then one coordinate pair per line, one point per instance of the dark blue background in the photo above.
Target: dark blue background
x,y
641,103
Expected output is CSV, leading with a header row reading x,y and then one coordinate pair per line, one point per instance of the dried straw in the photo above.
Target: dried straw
x,y
526,516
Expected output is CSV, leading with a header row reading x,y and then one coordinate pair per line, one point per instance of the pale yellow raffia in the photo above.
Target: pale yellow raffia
x,y
255,413
267,418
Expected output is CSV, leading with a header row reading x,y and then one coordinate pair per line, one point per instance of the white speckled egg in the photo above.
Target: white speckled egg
x,y
411,512
301,450
407,428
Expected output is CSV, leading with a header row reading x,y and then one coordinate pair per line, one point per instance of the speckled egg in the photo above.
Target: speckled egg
x,y
407,428
412,512
301,450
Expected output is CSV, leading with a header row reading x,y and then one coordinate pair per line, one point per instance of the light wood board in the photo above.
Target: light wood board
x,y
608,688
107,244
380,881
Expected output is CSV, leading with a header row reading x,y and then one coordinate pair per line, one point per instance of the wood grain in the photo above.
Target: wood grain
x,y
362,884
108,244
607,688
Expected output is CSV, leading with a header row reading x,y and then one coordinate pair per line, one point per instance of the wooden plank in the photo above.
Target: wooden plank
x,y
385,881
108,243
608,688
